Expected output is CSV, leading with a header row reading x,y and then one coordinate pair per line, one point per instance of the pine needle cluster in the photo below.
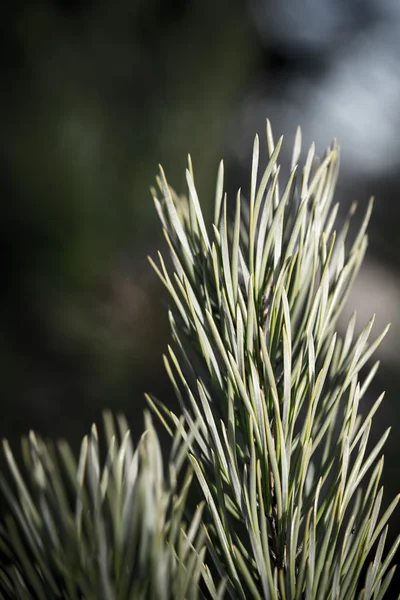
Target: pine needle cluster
x,y
270,435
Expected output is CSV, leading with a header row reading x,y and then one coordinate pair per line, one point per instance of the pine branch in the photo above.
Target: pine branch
x,y
269,388
96,528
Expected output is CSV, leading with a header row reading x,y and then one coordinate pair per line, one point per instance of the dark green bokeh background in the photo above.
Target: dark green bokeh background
x,y
94,95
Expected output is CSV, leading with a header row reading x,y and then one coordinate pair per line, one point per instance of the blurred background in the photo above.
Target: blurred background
x,y
94,95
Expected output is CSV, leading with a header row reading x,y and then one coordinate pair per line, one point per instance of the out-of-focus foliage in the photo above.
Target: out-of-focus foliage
x,y
97,528
94,94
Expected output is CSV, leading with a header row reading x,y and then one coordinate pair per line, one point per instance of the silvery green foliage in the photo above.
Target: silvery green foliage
x,y
99,529
270,394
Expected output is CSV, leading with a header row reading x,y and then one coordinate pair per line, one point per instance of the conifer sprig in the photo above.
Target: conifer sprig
x,y
100,528
269,388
